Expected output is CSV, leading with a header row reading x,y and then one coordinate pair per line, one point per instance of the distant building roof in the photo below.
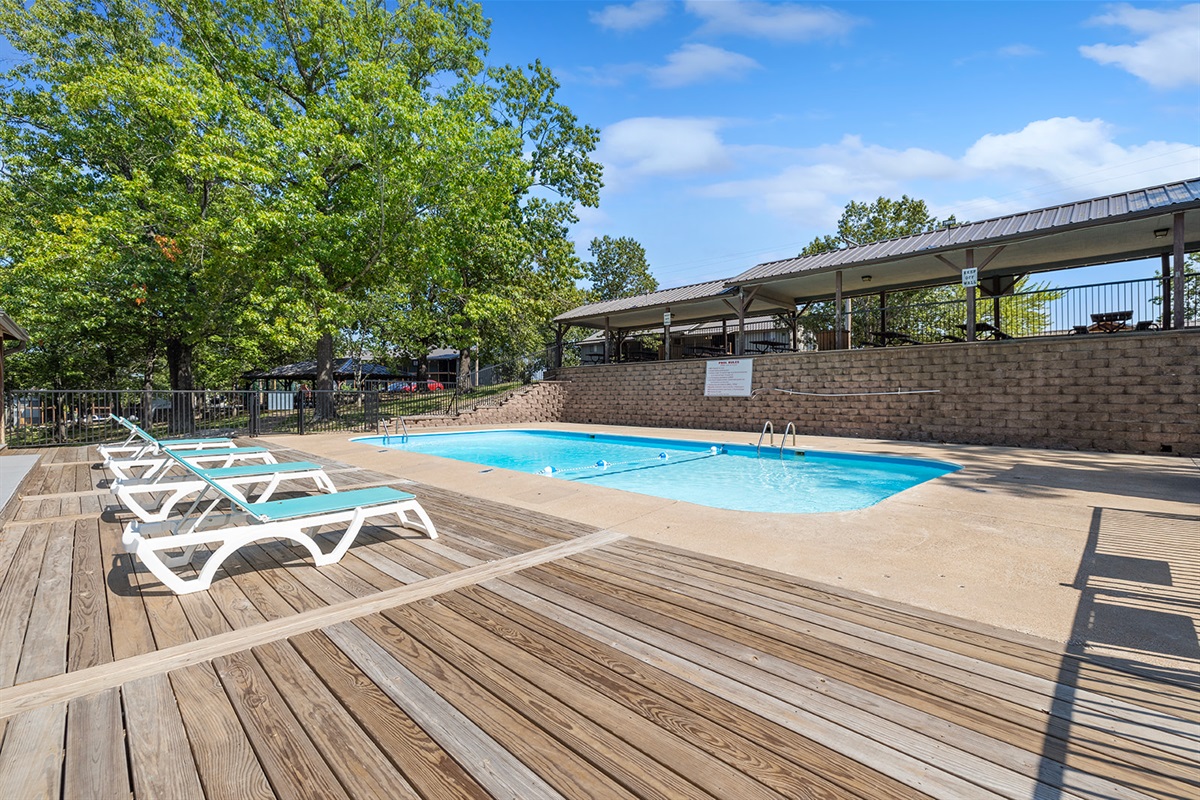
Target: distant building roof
x,y
343,368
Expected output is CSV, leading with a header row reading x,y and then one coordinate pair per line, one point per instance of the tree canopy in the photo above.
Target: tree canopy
x,y
218,186
619,269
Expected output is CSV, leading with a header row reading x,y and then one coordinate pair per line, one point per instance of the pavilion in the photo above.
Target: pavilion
x,y
988,258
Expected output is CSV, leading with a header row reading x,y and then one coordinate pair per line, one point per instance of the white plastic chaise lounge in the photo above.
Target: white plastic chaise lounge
x,y
149,466
251,522
153,499
148,445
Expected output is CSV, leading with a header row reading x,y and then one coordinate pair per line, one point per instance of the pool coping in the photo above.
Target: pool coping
x,y
1000,541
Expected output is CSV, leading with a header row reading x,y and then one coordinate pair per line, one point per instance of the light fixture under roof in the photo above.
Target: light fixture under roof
x,y
1161,233
866,278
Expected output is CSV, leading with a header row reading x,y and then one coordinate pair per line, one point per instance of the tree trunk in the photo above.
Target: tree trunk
x,y
325,405
181,415
423,367
464,371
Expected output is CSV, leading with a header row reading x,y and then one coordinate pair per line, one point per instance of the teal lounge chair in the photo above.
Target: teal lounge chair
x,y
153,499
133,448
150,466
295,519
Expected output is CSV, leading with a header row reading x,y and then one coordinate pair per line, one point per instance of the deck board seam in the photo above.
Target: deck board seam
x,y
68,686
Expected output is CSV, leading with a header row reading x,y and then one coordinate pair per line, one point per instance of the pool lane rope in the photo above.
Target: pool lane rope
x,y
663,459
757,392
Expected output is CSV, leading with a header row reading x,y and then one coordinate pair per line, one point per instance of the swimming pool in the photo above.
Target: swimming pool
x,y
736,477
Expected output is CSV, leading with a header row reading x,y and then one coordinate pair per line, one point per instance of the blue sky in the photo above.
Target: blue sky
x,y
735,132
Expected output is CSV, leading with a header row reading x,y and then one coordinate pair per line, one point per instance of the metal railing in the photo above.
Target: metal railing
x,y
43,417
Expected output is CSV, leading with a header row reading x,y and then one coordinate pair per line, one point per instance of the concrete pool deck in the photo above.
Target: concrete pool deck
x,y
1093,550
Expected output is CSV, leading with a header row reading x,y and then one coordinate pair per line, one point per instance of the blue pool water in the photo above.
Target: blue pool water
x,y
721,476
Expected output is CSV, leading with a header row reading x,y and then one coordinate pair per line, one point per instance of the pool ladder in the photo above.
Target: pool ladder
x,y
383,425
769,428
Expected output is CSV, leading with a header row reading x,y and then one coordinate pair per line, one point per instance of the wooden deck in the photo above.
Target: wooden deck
x,y
522,656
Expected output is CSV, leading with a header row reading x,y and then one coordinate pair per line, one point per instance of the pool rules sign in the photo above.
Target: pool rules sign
x,y
728,377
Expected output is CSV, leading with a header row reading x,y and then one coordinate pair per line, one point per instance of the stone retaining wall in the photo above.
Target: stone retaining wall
x,y
539,402
1127,392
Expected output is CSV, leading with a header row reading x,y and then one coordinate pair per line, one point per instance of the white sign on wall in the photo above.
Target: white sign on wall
x,y
970,277
728,377
666,319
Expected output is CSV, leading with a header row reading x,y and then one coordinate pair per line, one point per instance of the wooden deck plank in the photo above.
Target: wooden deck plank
x,y
90,639
44,652
921,765
16,600
159,753
1000,646
32,755
823,772
427,767
610,734
96,764
488,761
292,764
917,727
131,634
995,701
334,732
225,761
541,740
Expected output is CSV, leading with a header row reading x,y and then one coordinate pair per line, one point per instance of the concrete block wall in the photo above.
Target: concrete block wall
x,y
540,402
1127,392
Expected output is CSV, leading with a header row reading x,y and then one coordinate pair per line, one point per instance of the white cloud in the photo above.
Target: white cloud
x,y
632,17
779,21
659,146
694,63
1062,159
1166,55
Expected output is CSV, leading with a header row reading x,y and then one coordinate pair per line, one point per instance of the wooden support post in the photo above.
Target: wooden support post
x,y
607,336
740,347
883,327
560,332
970,298
793,325
725,335
996,292
667,333
839,320
1178,295
1168,305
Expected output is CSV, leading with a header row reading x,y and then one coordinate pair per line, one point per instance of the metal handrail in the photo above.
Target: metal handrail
x,y
791,426
767,426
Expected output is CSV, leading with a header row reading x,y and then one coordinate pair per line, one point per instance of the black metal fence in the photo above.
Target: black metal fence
x,y
42,417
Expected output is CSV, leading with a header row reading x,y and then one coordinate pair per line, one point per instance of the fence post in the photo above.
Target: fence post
x,y
300,419
252,407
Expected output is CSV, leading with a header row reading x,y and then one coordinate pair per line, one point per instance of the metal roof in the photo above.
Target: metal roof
x,y
10,329
1048,238
692,303
1103,230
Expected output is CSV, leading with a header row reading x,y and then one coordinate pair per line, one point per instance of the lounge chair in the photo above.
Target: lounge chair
x,y
148,445
252,522
138,494
151,465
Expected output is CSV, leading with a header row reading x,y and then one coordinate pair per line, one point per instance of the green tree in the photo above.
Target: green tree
x,y
127,168
619,269
931,313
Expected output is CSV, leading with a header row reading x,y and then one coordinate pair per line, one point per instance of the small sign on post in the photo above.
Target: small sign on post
x,y
970,277
666,319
